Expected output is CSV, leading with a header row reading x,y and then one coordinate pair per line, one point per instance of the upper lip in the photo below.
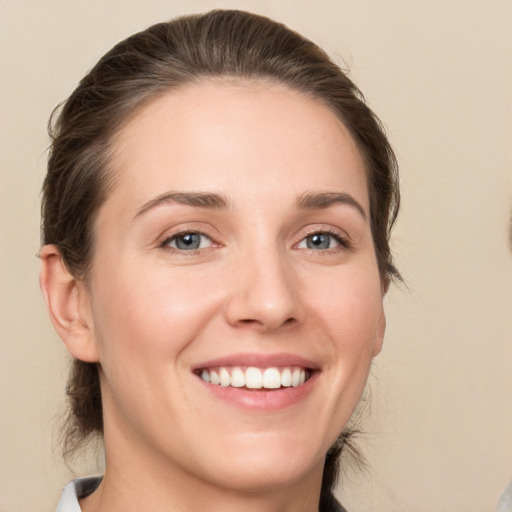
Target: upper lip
x,y
259,360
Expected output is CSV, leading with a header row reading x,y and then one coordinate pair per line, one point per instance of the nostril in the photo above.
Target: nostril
x,y
290,321
249,321
265,325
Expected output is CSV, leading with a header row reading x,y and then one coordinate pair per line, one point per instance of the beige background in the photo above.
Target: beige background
x,y
439,73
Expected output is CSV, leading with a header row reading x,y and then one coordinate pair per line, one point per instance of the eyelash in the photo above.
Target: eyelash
x,y
341,240
165,244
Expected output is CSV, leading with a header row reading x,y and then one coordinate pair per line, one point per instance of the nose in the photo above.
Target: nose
x,y
265,294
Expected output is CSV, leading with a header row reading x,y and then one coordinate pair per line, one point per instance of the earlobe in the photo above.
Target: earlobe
x,y
379,338
68,304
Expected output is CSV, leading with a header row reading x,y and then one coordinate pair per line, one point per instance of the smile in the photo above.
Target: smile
x,y
256,378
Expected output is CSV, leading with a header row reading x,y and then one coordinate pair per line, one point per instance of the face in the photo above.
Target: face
x,y
235,301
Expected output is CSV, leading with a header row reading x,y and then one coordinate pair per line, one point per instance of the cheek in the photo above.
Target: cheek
x,y
350,312
145,325
350,307
145,313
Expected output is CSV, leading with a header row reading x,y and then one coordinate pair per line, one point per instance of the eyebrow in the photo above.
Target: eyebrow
x,y
198,199
212,200
320,200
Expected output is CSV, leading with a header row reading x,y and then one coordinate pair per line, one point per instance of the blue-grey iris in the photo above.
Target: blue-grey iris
x,y
188,241
319,241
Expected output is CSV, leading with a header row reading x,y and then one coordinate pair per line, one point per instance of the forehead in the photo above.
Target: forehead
x,y
219,135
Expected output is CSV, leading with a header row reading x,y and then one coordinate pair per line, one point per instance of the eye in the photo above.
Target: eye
x,y
189,241
322,241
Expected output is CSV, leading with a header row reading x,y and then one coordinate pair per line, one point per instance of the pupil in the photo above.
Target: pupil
x,y
188,241
318,241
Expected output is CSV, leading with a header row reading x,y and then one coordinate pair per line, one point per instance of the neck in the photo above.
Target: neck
x,y
140,492
134,482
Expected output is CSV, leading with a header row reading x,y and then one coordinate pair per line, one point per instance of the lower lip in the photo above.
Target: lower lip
x,y
261,399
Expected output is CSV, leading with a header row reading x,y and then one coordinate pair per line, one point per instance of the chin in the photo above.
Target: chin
x,y
268,465
261,478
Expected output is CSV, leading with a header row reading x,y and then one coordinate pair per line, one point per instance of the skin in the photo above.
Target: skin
x,y
152,312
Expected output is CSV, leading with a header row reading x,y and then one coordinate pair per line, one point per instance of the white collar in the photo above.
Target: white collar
x,y
75,490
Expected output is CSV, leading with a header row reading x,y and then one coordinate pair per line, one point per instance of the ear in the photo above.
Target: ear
x,y
68,303
379,334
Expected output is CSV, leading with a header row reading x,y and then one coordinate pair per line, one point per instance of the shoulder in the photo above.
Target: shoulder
x,y
505,504
75,490
329,503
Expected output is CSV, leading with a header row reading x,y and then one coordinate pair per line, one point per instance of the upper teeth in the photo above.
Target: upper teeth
x,y
255,378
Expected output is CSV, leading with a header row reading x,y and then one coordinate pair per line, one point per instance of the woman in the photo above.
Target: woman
x,y
216,220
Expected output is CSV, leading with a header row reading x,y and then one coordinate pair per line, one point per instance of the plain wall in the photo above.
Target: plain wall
x,y
439,74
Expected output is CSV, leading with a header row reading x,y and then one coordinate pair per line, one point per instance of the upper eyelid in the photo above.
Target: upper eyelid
x,y
344,240
166,239
340,240
216,238
185,228
324,228
177,234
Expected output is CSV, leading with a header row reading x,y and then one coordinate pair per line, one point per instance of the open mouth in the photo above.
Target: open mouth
x,y
254,378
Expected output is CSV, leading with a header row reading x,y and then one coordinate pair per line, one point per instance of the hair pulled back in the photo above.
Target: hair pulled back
x,y
218,44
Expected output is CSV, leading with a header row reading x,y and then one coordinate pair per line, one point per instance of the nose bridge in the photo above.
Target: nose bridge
x,y
265,290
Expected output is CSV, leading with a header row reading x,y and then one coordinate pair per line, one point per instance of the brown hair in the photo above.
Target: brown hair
x,y
225,44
